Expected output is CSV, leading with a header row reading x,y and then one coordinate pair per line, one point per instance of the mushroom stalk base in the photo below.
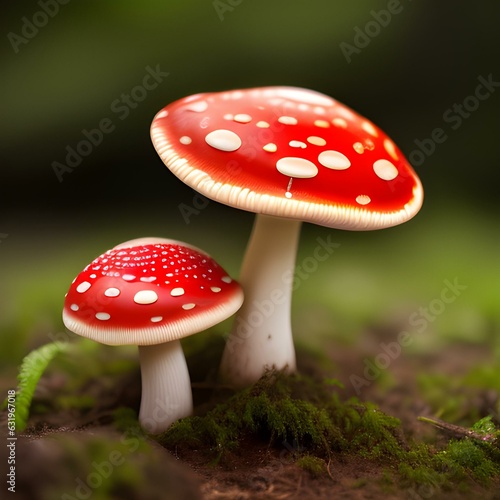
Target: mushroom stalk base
x,y
261,337
166,387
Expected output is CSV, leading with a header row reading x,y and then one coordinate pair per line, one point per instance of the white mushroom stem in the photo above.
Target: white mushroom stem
x,y
166,387
261,337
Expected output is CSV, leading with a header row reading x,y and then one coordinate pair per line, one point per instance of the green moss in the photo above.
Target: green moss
x,y
371,432
314,465
282,409
474,459
269,411
485,426
419,475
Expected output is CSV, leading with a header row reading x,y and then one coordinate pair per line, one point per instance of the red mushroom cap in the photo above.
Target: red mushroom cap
x,y
149,294
288,152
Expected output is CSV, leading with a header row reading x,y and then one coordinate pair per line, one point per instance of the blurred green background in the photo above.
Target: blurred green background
x,y
72,71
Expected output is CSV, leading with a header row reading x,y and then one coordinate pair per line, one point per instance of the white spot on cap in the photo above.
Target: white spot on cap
x,y
242,118
215,289
189,306
227,279
185,140
300,168
339,122
74,307
334,160
370,128
288,195
148,279
347,113
198,107
288,120
224,140
390,148
262,124
362,199
316,141
369,144
305,96
358,147
319,110
177,292
128,277
297,144
145,297
275,101
385,170
83,287
112,292
321,123
156,319
162,114
270,148
103,316
93,276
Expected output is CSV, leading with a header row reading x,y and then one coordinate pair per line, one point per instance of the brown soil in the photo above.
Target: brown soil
x,y
256,470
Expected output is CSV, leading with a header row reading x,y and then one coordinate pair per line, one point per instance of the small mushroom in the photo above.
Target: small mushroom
x,y
290,155
151,292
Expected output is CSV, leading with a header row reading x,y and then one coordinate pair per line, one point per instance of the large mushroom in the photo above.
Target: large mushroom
x,y
289,155
151,292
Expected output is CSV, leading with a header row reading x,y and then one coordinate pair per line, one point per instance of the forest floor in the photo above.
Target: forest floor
x,y
77,445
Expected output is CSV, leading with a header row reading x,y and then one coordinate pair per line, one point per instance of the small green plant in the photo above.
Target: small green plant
x,y
32,368
483,431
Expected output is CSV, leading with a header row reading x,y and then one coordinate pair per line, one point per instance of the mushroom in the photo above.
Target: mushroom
x,y
151,292
289,155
